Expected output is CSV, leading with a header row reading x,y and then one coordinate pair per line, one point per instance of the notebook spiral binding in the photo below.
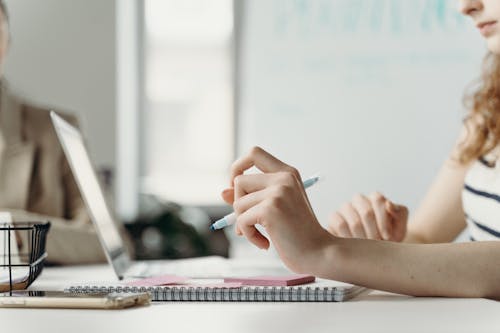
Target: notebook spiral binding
x,y
240,294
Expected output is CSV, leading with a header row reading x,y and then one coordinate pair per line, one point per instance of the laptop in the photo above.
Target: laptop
x,y
109,235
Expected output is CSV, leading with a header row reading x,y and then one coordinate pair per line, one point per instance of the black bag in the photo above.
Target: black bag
x,y
160,232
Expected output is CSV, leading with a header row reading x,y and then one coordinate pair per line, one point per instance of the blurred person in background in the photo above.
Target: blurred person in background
x,y
36,183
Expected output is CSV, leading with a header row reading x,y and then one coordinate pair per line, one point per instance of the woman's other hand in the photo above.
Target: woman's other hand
x,y
373,217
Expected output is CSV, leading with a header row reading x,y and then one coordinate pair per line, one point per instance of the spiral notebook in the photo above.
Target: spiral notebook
x,y
320,291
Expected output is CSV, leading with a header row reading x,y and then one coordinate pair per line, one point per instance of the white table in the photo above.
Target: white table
x,y
375,312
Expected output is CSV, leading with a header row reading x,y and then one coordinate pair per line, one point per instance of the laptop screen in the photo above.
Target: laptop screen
x,y
93,196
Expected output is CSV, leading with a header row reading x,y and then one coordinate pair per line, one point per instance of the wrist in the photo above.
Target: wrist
x,y
322,259
334,259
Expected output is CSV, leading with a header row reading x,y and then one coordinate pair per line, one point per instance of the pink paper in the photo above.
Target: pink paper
x,y
214,285
161,280
289,280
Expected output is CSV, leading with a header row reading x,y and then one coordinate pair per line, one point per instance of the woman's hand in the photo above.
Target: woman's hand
x,y
373,217
276,199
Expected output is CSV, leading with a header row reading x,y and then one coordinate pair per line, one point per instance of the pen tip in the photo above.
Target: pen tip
x,y
212,227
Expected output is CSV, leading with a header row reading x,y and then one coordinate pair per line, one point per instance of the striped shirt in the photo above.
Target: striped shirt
x,y
481,200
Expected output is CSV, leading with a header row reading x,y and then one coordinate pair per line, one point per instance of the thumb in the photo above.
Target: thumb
x,y
396,211
399,213
228,195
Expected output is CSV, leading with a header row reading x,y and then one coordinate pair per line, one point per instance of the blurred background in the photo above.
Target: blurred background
x,y
368,93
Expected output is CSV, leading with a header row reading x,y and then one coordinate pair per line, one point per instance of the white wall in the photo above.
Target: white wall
x,y
63,55
365,92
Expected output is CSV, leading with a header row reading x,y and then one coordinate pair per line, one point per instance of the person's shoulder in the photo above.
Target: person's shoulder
x,y
37,122
38,126
38,114
35,117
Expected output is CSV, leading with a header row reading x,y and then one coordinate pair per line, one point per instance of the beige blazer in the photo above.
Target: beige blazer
x,y
36,183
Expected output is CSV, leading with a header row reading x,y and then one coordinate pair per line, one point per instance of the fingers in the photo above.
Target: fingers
x,y
396,211
366,212
368,217
245,184
250,190
399,214
261,159
338,226
353,220
382,217
228,195
237,230
246,223
241,205
253,195
373,217
243,202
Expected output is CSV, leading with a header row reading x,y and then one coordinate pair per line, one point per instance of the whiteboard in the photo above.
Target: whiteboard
x,y
366,92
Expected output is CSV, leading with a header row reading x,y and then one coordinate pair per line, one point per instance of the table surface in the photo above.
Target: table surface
x,y
374,312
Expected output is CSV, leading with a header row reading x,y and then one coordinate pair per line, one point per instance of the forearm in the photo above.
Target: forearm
x,y
451,270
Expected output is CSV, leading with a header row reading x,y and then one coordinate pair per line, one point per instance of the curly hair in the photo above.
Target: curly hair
x,y
482,124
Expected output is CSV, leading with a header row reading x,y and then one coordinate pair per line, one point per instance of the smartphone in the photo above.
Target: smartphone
x,y
67,300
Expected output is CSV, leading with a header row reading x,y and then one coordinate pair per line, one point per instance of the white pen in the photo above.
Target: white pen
x,y
231,218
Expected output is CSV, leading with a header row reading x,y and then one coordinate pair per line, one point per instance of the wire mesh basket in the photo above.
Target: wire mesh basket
x,y
22,253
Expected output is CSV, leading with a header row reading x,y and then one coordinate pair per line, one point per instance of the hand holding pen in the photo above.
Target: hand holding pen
x,y
230,219
276,200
